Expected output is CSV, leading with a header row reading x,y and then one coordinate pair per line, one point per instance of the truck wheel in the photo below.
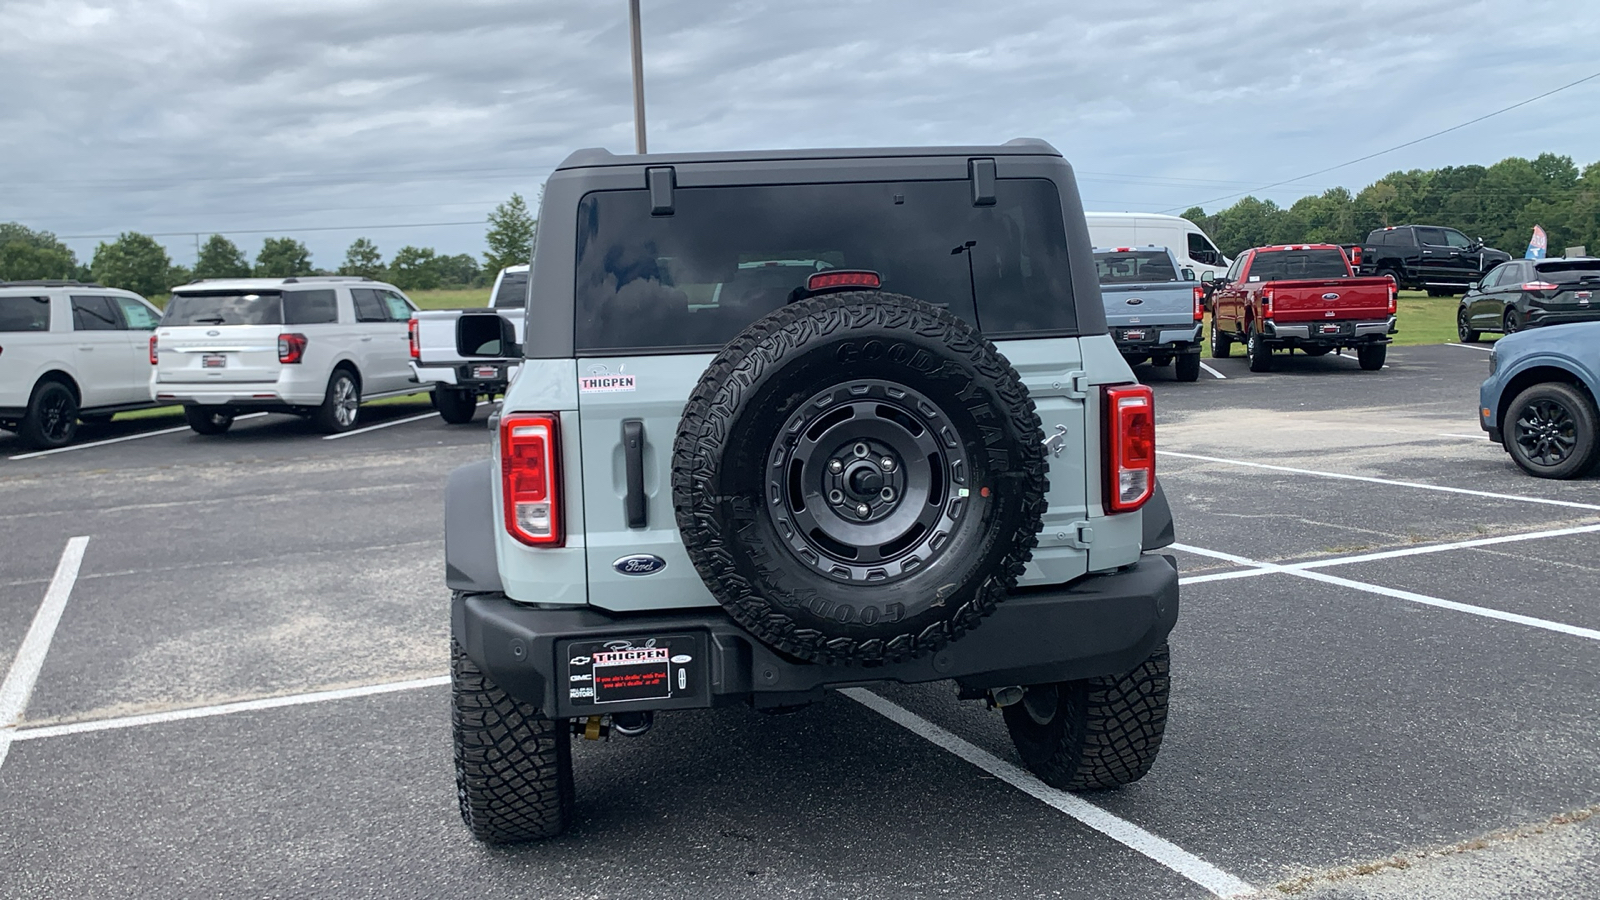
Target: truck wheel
x,y
1221,344
1393,276
1464,330
859,477
1260,354
513,764
1097,732
1371,356
1512,323
208,419
1552,431
341,405
1188,367
52,417
455,405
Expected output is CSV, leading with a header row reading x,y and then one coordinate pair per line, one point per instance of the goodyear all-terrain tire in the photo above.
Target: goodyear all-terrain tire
x,y
1097,732
513,764
859,477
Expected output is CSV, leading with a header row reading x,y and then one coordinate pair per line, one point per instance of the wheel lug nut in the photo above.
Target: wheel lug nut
x,y
835,466
888,463
863,510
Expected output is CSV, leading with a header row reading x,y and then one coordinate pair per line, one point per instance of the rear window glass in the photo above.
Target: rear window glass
x,y
310,307
513,291
1569,271
230,308
729,255
1136,267
1277,265
24,313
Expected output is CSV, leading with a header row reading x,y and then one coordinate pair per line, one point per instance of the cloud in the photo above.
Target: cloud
x,y
174,115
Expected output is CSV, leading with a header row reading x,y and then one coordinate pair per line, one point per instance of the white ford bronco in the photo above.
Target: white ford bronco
x,y
791,420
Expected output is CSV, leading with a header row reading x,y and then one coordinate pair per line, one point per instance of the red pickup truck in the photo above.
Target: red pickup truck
x,y
1305,296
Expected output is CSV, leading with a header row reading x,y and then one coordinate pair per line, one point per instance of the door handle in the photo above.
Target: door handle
x,y
633,463
82,347
367,338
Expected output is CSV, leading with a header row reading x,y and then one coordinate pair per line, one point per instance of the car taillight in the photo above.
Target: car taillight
x,y
291,348
1266,305
1199,303
153,359
1394,293
1540,286
1130,451
411,335
1355,256
530,473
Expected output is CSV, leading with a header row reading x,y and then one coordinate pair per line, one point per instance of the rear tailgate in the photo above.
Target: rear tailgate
x,y
1165,303
436,336
1323,299
218,353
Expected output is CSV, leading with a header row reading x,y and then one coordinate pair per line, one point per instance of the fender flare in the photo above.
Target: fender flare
x,y
470,562
1158,527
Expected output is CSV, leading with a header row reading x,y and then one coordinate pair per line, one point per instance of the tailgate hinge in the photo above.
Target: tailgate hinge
x,y
1077,535
1077,385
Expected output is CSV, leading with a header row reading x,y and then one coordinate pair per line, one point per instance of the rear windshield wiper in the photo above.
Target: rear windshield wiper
x,y
209,320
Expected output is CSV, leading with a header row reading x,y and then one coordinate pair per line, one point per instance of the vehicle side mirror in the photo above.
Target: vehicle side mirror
x,y
1474,286
1188,274
1209,275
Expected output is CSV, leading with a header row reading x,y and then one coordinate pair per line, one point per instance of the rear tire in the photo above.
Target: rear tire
x,y
1258,351
208,419
1394,276
1187,368
1552,431
1221,344
455,405
341,405
513,763
1371,356
1512,323
52,417
1464,330
1095,733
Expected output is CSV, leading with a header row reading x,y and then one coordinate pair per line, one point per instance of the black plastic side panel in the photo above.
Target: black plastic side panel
x,y
469,522
1158,528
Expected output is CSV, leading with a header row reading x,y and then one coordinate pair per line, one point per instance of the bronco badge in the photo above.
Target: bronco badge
x,y
640,564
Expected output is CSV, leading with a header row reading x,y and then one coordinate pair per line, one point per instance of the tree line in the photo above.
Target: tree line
x,y
139,263
1499,203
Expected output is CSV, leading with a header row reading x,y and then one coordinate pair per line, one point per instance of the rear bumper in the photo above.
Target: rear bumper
x,y
1541,317
1362,331
1099,625
259,395
1160,338
461,375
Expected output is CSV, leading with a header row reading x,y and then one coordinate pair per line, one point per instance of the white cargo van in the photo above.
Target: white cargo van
x,y
1184,238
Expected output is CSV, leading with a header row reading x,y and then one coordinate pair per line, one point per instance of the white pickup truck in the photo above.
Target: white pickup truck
x,y
470,353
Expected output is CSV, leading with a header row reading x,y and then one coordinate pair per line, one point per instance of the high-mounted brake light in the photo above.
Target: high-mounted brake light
x,y
291,348
411,336
1130,450
1199,303
530,473
153,359
844,278
1540,286
1266,305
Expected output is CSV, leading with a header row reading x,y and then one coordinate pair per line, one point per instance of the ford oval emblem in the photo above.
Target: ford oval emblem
x,y
640,564
1134,301
213,333
1330,296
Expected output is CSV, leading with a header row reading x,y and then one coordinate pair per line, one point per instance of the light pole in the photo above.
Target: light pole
x,y
638,77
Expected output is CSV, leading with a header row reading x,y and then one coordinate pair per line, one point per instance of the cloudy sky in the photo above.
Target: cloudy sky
x,y
291,116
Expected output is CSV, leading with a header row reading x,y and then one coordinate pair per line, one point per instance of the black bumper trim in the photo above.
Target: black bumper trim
x,y
1099,625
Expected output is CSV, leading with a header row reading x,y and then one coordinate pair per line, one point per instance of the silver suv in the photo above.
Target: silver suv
x,y
801,419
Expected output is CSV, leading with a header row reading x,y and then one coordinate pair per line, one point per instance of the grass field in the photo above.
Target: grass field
x,y
451,299
1423,320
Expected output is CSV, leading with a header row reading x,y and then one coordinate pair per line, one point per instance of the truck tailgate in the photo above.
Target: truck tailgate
x,y
1161,303
437,331
1329,298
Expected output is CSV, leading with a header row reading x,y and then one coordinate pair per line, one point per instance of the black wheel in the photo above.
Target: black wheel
x,y
1161,359
341,405
1188,367
1094,733
859,477
1221,344
455,405
1464,330
1550,431
1512,322
52,417
1393,276
1260,354
513,763
208,419
1371,356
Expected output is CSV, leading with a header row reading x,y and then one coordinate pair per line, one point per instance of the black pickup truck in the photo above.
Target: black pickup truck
x,y
1441,260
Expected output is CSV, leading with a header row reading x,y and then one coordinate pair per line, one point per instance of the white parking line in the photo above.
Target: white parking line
x,y
117,440
1470,437
1572,504
24,673
1214,372
223,709
1472,347
335,437
1168,854
1410,596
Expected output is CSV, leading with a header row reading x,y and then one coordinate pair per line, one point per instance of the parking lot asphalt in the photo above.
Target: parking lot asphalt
x,y
1384,683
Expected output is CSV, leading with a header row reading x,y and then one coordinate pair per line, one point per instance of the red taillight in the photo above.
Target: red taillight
x,y
530,473
838,278
1394,293
1540,286
411,335
291,348
1130,451
1266,305
1355,256
153,359
1199,303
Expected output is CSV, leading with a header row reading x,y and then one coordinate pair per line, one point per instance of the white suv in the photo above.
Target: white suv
x,y
70,351
311,346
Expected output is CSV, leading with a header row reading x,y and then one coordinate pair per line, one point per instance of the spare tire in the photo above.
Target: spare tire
x,y
859,477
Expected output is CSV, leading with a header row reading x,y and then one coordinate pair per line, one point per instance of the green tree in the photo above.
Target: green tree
x,y
510,236
282,258
133,262
26,254
221,258
362,259
460,270
414,269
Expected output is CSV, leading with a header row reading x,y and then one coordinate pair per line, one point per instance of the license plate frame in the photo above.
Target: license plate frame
x,y
1136,335
213,360
660,671
485,373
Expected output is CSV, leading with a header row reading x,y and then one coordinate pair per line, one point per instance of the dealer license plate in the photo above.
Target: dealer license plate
x,y
1133,335
485,371
213,361
624,670
1330,329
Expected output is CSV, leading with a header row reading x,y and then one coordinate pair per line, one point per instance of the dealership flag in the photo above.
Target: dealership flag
x,y
1537,246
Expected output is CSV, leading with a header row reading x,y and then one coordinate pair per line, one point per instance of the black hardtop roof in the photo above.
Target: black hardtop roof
x,y
599,156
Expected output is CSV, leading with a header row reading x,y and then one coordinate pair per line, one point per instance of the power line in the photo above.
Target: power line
x,y
1395,147
278,230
